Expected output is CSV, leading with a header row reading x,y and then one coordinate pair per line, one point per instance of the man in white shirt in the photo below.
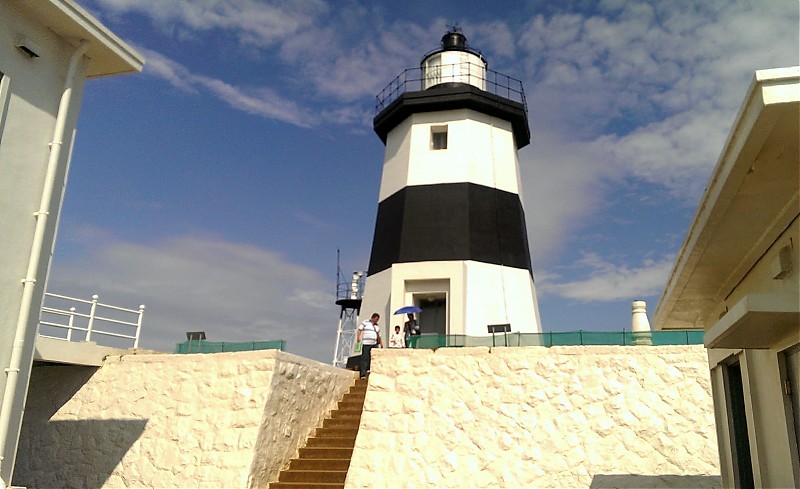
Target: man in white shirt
x,y
396,340
369,335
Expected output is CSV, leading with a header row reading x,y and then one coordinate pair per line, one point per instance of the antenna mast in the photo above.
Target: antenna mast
x,y
348,298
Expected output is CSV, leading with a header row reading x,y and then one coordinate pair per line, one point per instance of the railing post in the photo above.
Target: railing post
x,y
138,326
91,317
70,324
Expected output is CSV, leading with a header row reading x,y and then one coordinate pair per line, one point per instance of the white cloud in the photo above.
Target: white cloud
x,y
261,101
676,153
256,22
232,291
563,183
493,36
607,281
648,92
356,63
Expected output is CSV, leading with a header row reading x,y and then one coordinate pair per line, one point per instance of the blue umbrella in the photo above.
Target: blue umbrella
x,y
407,310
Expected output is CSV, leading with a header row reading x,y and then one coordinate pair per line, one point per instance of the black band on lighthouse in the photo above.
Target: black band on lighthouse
x,y
458,221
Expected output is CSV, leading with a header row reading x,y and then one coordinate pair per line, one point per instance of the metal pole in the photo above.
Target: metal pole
x,y
91,317
138,326
71,323
336,354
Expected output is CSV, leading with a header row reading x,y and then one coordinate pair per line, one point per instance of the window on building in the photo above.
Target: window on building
x,y
438,137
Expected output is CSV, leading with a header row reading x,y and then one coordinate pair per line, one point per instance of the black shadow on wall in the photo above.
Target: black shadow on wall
x,y
67,453
74,453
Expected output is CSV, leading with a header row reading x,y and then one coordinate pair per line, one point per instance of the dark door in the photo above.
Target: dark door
x,y
792,389
740,441
433,318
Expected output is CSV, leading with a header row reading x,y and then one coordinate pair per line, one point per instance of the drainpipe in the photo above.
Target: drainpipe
x,y
29,282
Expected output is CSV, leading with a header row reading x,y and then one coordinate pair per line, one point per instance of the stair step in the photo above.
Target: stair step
x,y
354,397
331,441
338,432
349,423
326,452
319,464
313,476
346,413
306,485
348,405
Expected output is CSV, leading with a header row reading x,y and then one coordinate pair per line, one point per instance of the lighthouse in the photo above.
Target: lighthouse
x,y
450,235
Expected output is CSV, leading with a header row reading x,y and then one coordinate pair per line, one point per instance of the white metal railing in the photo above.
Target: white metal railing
x,y
90,317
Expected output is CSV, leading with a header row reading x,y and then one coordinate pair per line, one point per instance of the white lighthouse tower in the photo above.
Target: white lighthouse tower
x,y
450,235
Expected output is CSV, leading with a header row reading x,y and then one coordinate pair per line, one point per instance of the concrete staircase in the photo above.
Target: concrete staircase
x,y
324,461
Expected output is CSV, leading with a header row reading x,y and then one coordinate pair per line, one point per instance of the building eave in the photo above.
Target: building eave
x,y
107,54
751,198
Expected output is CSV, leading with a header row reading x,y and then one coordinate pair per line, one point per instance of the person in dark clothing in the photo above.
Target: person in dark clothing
x,y
411,328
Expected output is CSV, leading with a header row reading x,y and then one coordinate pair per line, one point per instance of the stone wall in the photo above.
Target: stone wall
x,y
173,420
599,416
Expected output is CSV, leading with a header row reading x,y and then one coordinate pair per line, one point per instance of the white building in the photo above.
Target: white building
x,y
47,49
450,235
738,277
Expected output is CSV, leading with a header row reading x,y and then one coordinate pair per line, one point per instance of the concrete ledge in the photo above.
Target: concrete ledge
x,y
87,353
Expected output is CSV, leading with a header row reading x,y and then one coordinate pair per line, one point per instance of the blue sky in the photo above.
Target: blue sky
x,y
216,186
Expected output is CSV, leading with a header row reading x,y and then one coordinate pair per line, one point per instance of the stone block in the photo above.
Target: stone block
x,y
539,417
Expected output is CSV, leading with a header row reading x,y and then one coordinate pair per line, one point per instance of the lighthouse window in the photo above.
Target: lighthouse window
x,y
439,137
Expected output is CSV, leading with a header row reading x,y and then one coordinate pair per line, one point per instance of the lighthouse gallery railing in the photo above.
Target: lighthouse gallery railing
x,y
415,79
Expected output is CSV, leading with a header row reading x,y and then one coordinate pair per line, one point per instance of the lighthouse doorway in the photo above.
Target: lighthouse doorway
x,y
433,318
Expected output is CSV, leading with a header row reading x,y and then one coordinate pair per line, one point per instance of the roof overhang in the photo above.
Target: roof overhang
x,y
752,197
107,54
756,321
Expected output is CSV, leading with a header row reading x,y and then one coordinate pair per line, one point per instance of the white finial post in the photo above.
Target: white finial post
x,y
640,326
92,313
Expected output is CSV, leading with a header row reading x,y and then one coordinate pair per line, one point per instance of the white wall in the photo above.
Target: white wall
x,y
478,294
31,90
480,150
202,420
537,417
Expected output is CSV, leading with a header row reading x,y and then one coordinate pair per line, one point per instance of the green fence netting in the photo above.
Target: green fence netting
x,y
568,338
196,346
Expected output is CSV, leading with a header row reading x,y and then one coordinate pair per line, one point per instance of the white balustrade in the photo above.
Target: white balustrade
x,y
126,324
